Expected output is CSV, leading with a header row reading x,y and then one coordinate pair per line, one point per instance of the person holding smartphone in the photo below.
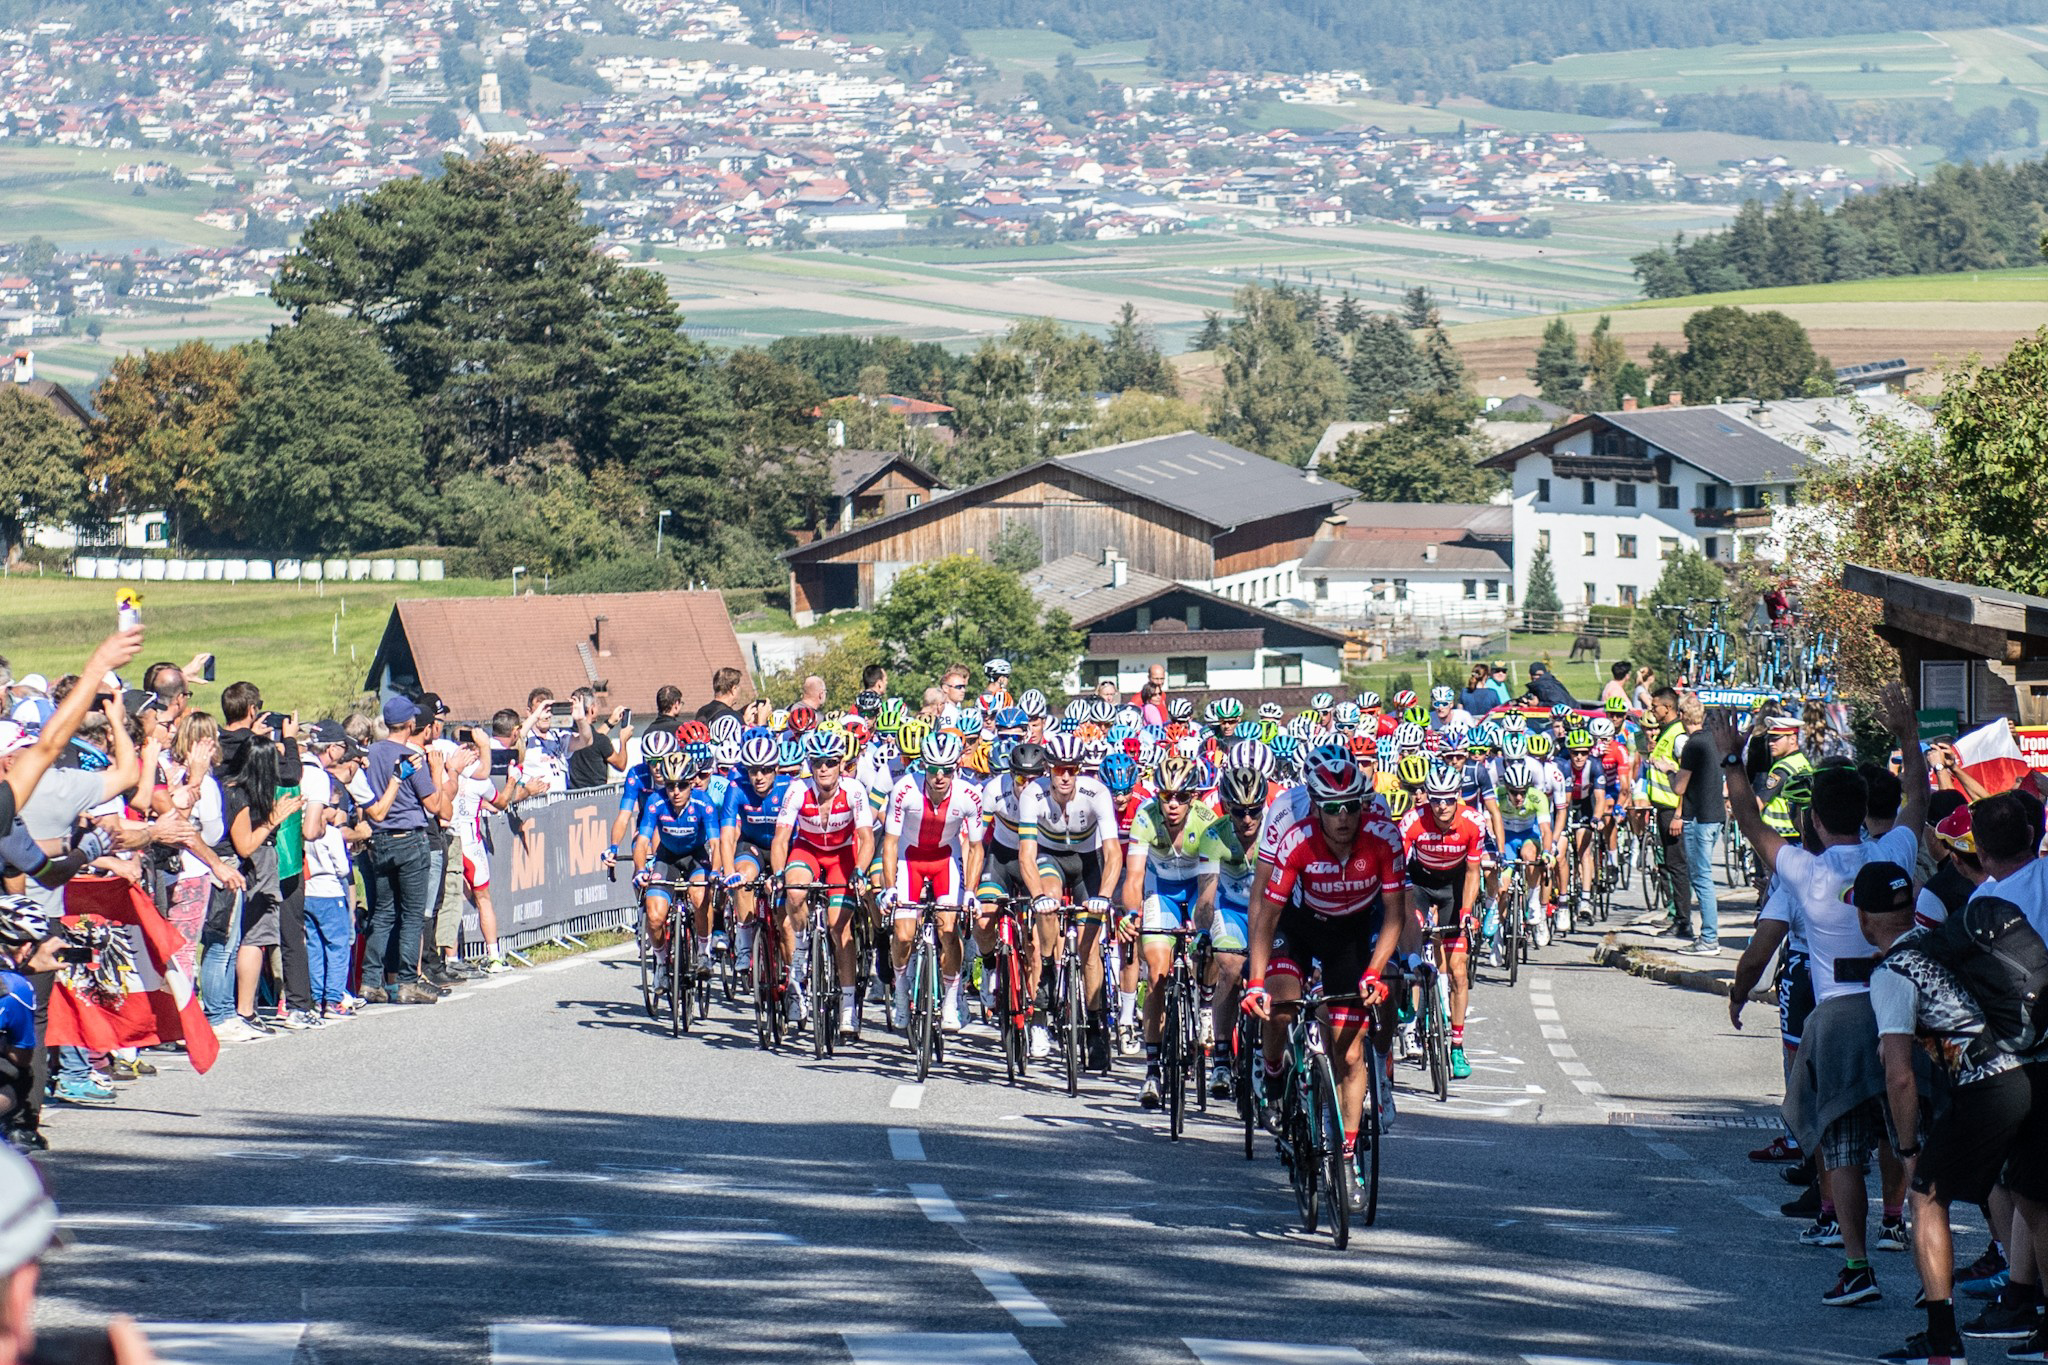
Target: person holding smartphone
x,y
408,799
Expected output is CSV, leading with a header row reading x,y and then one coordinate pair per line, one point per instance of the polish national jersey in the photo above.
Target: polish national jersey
x,y
926,831
753,815
1000,796
1082,825
1334,888
825,824
1175,859
678,829
1430,845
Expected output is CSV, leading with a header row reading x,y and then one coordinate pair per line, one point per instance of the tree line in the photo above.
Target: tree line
x,y
1729,353
1965,217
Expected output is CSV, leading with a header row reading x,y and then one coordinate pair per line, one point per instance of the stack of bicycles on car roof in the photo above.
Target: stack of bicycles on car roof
x,y
1266,911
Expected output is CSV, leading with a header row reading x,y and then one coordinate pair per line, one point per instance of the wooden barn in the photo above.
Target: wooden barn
x,y
1185,507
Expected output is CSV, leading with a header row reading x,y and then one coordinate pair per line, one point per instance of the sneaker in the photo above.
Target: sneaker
x,y
84,1092
495,966
1543,931
1986,1286
1894,1236
1921,1349
1803,1175
1040,1042
1991,1262
1098,1049
1460,1068
949,1016
456,968
354,1002
1700,948
294,1021
236,1029
1853,1287
1824,1231
337,1013
2005,1320
25,1139
1354,1188
1148,1094
2035,1347
1781,1148
417,993
375,995
125,1070
1806,1205
1219,1081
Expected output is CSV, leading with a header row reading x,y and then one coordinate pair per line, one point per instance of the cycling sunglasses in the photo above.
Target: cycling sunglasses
x,y
1066,769
769,771
1340,807
1443,800
822,762
1181,797
1247,812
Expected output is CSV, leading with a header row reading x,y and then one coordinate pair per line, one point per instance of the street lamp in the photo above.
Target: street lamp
x,y
517,570
660,522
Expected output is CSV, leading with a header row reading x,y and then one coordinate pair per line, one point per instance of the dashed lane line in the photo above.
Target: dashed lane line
x,y
905,1145
907,1097
1013,1298
561,1343
934,1203
935,1348
1212,1352
224,1343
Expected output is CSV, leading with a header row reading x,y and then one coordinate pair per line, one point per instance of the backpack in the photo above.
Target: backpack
x,y
2003,963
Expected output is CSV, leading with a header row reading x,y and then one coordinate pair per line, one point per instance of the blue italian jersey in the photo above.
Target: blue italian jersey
x,y
753,816
676,832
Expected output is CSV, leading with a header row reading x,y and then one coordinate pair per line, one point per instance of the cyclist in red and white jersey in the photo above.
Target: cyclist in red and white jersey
x,y
1445,845
931,848
1338,896
824,831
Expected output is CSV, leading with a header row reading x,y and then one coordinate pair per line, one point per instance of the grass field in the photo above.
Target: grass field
x,y
280,636
2027,285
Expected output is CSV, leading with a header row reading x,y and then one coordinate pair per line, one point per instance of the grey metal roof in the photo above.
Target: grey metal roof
x,y
1715,440
1477,518
1079,585
1207,478
1402,556
851,469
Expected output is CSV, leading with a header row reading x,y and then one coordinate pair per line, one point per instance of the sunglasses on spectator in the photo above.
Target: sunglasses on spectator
x,y
1340,807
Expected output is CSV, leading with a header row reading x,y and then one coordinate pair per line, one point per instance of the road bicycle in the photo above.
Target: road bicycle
x,y
1606,871
1433,1010
688,996
823,981
768,973
1247,1072
1003,968
1180,1040
1311,1125
1070,1011
922,1033
1738,859
1513,924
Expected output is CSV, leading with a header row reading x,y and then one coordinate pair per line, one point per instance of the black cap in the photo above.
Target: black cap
x,y
432,705
1537,670
135,702
1880,889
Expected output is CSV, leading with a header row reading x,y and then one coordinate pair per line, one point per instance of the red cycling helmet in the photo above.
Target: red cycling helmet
x,y
802,718
694,732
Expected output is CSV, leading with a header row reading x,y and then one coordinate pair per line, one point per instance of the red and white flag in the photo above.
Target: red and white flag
x,y
159,1004
1991,756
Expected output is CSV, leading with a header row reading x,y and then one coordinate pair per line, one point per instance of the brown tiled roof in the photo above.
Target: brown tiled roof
x,y
483,653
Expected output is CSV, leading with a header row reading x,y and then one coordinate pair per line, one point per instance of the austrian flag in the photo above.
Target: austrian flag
x,y
157,1005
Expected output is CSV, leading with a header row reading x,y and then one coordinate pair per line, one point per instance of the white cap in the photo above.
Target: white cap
x,y
34,682
13,738
28,1216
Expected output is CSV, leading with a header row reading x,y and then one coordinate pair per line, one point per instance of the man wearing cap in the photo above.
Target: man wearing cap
x,y
1544,686
1784,786
32,706
1990,1123
409,798
333,827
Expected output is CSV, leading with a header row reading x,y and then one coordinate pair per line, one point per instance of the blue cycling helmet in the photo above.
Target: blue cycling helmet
x,y
792,755
700,753
1119,772
999,753
968,723
1012,718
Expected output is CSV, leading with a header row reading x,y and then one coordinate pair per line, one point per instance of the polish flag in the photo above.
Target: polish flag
x,y
1991,755
160,1006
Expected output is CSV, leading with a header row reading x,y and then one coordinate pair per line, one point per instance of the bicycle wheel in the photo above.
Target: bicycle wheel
x,y
1369,1136
647,977
824,993
1073,1019
1172,1058
923,1006
1512,929
700,976
681,947
729,965
1197,1071
1436,1038
1304,1163
767,1008
1244,1054
1329,1123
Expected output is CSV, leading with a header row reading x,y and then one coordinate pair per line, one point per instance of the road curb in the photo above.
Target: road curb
x,y
1654,967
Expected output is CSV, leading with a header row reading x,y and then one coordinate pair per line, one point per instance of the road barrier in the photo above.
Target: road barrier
x,y
151,569
548,878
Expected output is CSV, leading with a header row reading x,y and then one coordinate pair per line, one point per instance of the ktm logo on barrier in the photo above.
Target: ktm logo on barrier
x,y
529,858
589,837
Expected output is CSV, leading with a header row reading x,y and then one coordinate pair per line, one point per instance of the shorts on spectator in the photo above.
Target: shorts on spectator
x,y
2026,1173
1966,1150
1850,1139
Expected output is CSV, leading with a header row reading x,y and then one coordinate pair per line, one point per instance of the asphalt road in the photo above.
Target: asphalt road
x,y
531,1172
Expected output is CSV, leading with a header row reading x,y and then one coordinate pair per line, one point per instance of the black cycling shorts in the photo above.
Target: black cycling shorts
x,y
1003,873
1437,893
1340,944
1080,873
682,866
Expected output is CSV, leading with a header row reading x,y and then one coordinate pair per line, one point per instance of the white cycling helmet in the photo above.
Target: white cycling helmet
x,y
1032,703
726,727
1442,782
1251,754
1408,737
1064,748
758,752
1519,775
657,743
1601,728
942,750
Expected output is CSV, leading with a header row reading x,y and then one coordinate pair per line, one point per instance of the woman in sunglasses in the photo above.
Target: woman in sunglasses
x,y
1337,898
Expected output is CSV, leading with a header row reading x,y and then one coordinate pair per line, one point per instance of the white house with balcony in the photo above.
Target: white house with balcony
x,y
1611,495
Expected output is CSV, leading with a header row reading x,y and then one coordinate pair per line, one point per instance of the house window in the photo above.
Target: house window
x,y
1543,541
1712,547
1589,547
1322,590
1093,671
1471,590
1752,496
1144,618
1592,593
1667,497
1543,490
1710,495
1624,547
1187,670
1493,590
1379,590
1586,492
1194,615
1282,670
1667,546
154,533
1625,596
1400,590
914,500
1624,495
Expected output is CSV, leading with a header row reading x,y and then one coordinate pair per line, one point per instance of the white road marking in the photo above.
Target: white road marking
x,y
1539,983
907,1097
575,1343
707,1237
1546,1016
1562,1050
1013,1298
1548,1002
935,1348
1554,1033
1212,1352
905,1145
1670,1151
936,1204
73,1222
1585,1087
224,1343
1583,1360
1575,1069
